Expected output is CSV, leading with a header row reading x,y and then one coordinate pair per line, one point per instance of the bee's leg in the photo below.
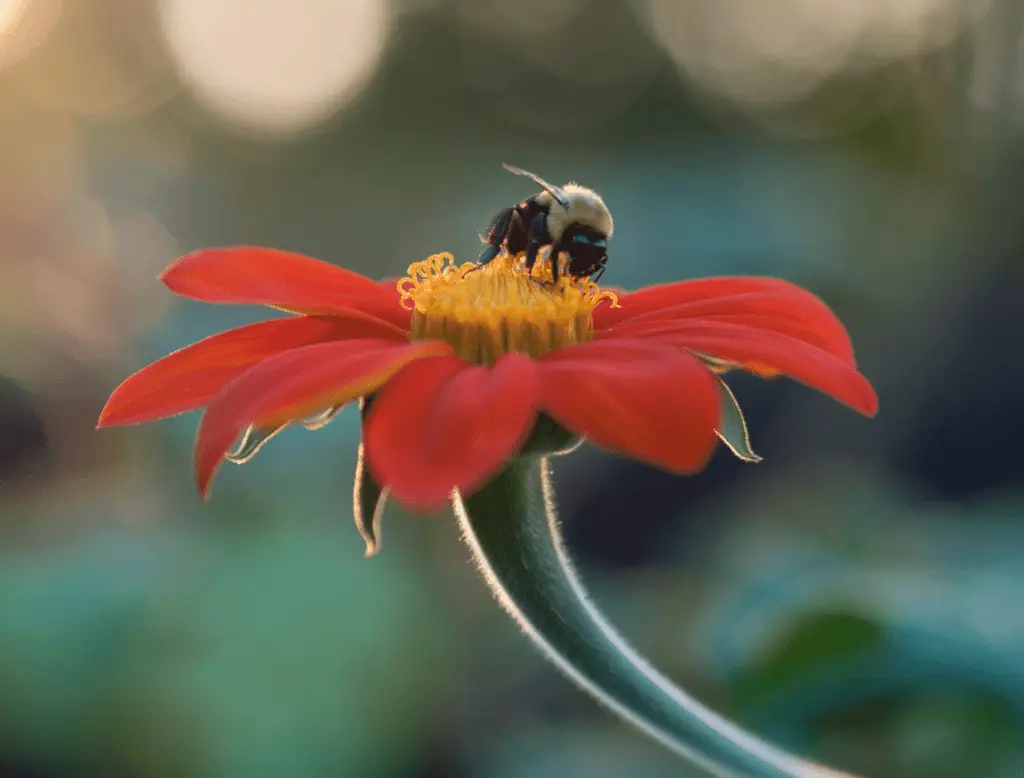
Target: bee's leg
x,y
489,253
532,251
496,235
536,237
556,252
600,272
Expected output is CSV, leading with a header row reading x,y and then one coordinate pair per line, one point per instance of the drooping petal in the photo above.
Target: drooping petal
x,y
188,378
645,401
293,282
442,424
772,351
295,384
791,311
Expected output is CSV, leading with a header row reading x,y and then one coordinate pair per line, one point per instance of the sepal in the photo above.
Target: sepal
x,y
732,427
368,497
253,439
368,501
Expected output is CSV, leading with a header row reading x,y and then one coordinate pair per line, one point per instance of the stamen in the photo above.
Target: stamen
x,y
484,311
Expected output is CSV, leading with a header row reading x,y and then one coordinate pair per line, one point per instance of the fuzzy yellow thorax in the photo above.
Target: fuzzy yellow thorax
x,y
485,311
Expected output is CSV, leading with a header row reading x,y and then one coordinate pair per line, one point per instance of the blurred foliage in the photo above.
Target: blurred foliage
x,y
172,652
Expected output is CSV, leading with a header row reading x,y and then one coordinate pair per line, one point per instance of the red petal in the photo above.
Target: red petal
x,y
295,384
390,306
792,312
763,349
442,424
647,402
249,274
188,378
654,298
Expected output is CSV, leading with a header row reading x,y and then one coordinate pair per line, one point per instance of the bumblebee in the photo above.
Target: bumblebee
x,y
571,219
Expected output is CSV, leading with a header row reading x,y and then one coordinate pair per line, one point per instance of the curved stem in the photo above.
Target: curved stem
x,y
512,528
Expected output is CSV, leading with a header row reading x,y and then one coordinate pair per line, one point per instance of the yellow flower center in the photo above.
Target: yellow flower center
x,y
485,311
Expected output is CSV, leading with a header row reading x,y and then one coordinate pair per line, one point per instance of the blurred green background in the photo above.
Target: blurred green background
x,y
857,597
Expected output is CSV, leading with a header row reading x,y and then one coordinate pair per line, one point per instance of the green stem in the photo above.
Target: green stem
x,y
512,528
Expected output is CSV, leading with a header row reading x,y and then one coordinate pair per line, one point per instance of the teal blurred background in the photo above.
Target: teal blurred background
x,y
857,597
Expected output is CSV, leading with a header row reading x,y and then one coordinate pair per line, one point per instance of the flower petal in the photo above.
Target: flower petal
x,y
654,298
744,345
637,399
296,383
389,306
790,311
250,274
442,424
188,378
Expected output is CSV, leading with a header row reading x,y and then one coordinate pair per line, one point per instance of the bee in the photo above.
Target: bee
x,y
570,219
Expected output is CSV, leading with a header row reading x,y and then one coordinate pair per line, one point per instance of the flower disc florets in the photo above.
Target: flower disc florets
x,y
488,310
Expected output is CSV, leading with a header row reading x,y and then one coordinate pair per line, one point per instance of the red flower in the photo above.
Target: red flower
x,y
462,360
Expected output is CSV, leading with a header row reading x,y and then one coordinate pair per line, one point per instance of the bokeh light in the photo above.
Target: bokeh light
x,y
770,54
101,60
276,65
24,25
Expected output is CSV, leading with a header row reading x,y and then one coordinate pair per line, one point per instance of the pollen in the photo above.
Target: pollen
x,y
488,310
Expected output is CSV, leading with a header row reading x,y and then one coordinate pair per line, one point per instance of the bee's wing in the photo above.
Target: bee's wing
x,y
556,192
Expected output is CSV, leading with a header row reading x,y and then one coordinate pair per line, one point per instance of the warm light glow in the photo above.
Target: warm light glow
x,y
276,65
24,25
10,10
756,52
102,59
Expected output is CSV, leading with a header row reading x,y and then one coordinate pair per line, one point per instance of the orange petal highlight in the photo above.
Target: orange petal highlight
x,y
647,402
261,276
296,384
771,351
443,424
188,378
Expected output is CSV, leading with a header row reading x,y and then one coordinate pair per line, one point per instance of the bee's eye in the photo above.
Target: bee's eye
x,y
579,238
